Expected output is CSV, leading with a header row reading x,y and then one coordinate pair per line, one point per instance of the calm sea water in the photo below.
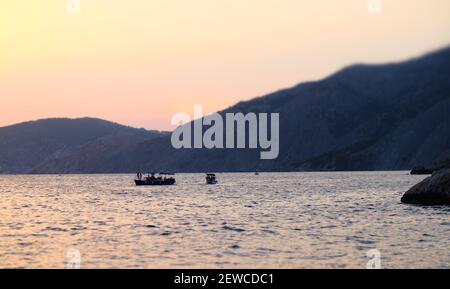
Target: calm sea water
x,y
280,220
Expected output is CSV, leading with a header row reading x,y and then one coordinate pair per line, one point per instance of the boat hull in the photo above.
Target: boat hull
x,y
166,182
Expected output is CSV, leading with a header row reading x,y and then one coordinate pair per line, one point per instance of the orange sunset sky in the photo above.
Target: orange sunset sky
x,y
138,62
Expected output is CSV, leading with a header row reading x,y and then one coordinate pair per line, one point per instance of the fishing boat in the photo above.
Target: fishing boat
x,y
211,179
153,179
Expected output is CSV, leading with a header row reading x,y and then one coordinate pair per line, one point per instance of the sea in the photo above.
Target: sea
x,y
270,220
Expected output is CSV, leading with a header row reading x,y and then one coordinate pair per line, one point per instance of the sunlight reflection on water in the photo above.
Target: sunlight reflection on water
x,y
277,220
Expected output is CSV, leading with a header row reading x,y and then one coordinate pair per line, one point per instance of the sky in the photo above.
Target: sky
x,y
138,62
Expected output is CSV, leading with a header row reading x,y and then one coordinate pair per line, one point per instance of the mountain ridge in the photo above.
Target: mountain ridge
x,y
25,146
362,117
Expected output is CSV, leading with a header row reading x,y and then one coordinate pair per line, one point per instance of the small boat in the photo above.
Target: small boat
x,y
153,179
211,179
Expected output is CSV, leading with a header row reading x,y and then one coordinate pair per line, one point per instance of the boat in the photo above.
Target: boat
x,y
153,179
211,179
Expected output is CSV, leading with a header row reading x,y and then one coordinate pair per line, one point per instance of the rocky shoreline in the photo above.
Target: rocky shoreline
x,y
442,162
434,190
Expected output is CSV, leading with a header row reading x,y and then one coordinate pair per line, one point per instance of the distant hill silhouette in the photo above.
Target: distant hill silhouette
x,y
29,146
364,117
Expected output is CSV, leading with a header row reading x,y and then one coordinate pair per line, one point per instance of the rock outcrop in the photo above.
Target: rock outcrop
x,y
434,190
442,162
420,170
